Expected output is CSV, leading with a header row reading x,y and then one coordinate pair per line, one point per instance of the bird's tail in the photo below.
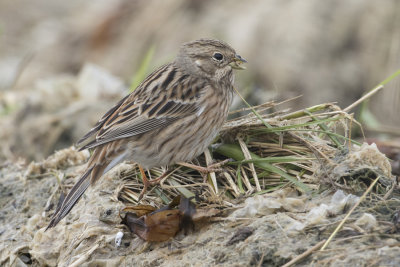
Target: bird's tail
x,y
97,166
71,199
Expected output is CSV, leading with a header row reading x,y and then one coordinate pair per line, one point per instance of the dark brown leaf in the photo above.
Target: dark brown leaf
x,y
162,224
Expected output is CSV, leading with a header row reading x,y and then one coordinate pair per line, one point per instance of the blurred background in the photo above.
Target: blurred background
x,y
64,63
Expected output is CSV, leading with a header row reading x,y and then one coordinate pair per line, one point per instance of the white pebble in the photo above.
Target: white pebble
x,y
118,238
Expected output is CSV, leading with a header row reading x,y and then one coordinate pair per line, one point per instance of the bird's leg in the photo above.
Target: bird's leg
x,y
147,183
204,170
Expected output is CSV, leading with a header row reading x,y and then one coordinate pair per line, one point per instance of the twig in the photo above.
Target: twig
x,y
304,254
350,212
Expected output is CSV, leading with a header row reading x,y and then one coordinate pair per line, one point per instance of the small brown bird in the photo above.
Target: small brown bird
x,y
171,117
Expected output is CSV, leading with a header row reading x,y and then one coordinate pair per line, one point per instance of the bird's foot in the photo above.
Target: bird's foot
x,y
149,183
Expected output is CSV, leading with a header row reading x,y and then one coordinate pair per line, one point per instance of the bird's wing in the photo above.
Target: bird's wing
x,y
164,96
100,123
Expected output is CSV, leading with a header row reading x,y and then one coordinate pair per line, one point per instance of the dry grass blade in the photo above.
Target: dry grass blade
x,y
247,156
305,254
350,212
213,177
362,99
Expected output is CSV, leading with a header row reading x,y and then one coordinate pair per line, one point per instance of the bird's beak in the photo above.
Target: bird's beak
x,y
237,63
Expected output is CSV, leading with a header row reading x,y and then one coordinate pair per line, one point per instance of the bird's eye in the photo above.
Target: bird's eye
x,y
218,56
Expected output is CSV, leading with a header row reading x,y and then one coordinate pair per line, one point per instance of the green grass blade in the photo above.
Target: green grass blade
x,y
234,151
325,128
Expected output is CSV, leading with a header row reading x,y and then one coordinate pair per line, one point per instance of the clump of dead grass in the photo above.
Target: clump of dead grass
x,y
267,150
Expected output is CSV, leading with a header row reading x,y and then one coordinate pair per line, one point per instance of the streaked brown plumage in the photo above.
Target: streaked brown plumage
x,y
171,117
